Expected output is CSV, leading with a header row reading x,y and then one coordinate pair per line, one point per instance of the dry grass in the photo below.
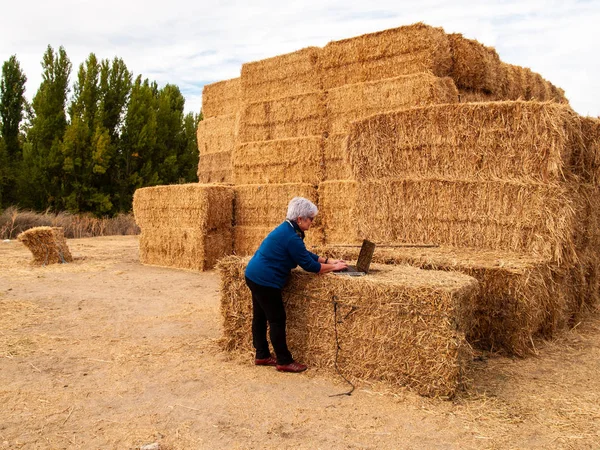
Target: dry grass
x,y
14,221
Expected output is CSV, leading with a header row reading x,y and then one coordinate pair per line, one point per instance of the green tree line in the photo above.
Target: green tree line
x,y
89,150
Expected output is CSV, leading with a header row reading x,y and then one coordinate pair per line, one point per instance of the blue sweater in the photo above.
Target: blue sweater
x,y
280,252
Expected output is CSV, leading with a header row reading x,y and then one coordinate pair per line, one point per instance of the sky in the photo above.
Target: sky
x,y
193,43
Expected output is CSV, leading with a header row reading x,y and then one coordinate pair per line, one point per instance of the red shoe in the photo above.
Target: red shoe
x,y
292,367
270,361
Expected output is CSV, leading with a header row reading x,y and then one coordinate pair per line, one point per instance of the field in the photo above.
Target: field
x,y
107,353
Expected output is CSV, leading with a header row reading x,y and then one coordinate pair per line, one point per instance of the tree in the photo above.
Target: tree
x,y
188,159
86,147
137,162
41,179
13,105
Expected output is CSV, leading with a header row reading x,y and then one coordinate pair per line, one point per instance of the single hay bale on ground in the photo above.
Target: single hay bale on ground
x,y
184,226
500,140
47,244
397,325
352,102
221,98
386,54
286,75
215,168
287,117
531,218
520,296
217,134
265,205
247,239
293,160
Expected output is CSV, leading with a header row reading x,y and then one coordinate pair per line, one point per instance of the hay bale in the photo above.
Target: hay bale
x,y
184,247
505,140
288,117
532,218
184,226
335,158
519,296
217,134
221,98
358,101
292,74
265,205
518,82
476,67
338,205
588,166
247,239
294,160
47,244
397,325
352,102
386,54
215,168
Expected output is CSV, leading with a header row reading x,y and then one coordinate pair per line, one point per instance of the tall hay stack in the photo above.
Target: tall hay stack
x,y
186,226
217,133
47,245
497,183
279,150
398,325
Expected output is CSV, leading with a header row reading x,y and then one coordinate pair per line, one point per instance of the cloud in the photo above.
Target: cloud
x,y
193,43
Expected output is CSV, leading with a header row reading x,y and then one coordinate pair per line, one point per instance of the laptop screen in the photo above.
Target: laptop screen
x,y
365,256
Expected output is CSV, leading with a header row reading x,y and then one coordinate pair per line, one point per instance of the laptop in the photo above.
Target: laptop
x,y
362,265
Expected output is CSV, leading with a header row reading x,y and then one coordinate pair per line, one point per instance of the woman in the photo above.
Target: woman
x,y
268,270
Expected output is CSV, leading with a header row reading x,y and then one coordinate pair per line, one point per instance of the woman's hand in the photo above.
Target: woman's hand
x,y
339,264
336,261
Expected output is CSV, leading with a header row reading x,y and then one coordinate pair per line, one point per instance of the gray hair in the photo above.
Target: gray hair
x,y
301,207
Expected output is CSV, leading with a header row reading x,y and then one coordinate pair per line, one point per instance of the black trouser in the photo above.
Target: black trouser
x,y
267,306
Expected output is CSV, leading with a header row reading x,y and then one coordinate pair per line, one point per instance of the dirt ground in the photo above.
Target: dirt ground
x,y
107,353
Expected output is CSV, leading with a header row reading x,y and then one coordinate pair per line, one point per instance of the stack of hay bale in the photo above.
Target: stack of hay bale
x,y
377,131
278,154
217,132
